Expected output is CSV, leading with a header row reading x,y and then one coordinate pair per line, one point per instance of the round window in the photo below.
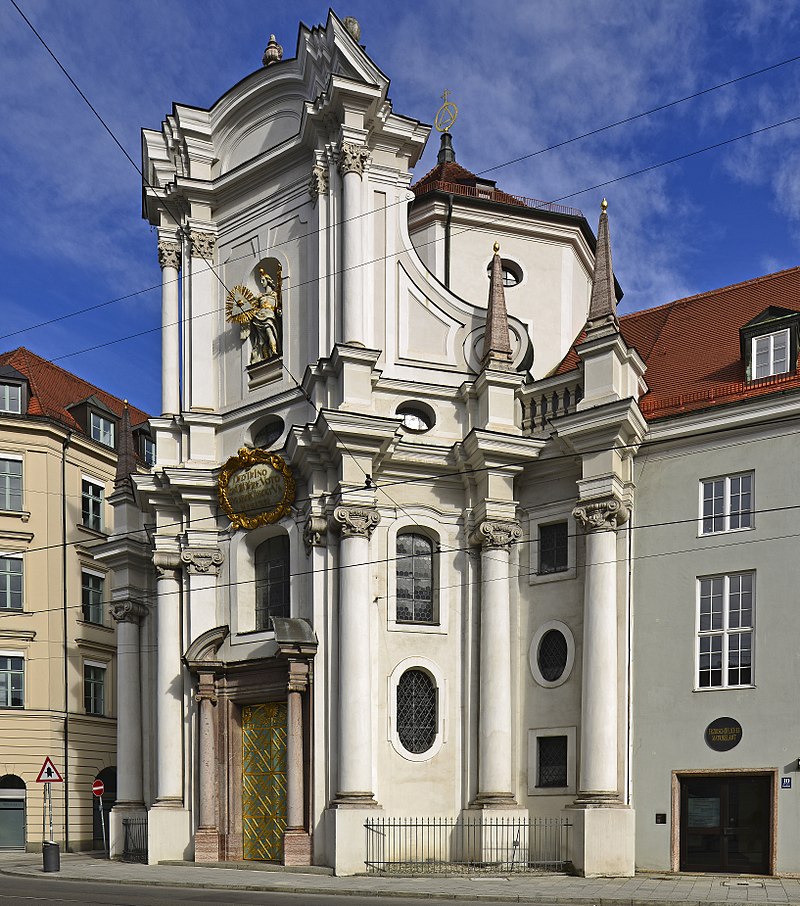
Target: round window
x,y
269,432
552,655
416,418
512,273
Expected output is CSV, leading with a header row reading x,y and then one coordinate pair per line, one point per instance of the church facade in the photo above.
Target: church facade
x,y
397,538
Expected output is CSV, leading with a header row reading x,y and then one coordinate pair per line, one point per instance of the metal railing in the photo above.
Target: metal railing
x,y
466,845
135,843
494,194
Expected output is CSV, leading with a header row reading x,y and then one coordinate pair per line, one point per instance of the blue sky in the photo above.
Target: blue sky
x,y
525,75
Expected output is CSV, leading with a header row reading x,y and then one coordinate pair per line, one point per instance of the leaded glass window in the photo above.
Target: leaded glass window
x,y
272,580
415,579
552,655
416,711
553,549
551,761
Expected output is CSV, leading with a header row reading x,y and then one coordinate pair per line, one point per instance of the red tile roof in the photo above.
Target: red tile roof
x,y
52,389
692,346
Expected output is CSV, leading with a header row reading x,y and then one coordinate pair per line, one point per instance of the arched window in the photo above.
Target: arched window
x,y
416,711
272,580
415,579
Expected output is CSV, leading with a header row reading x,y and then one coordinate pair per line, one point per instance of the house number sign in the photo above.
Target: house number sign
x,y
723,734
255,488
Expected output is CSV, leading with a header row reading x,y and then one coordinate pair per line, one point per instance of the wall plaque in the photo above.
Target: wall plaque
x,y
255,488
723,734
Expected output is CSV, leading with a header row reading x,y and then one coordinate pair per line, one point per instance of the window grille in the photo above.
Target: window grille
x,y
416,711
552,655
415,593
551,761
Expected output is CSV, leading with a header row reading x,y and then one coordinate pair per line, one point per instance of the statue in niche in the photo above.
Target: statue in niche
x,y
260,317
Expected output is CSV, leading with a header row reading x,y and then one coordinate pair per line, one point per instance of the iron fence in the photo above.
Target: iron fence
x,y
466,845
135,844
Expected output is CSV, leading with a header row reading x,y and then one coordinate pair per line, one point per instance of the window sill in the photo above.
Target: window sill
x,y
724,688
732,531
95,625
94,533
560,576
22,515
409,626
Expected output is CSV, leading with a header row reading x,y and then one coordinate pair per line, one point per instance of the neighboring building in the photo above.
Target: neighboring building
x,y
417,554
59,443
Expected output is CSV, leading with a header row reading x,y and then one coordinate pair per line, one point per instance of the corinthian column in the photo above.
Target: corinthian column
x,y
169,681
356,525
352,159
599,718
495,779
169,257
127,615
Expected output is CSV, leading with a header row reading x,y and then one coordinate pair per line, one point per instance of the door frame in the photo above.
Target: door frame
x,y
675,826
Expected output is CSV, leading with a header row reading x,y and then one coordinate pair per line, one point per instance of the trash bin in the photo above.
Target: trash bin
x,y
51,856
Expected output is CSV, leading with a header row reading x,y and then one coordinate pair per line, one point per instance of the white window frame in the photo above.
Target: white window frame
x,y
435,673
533,762
98,484
149,453
14,555
433,529
725,632
97,665
726,514
547,515
533,653
21,655
101,429
770,338
6,498
7,399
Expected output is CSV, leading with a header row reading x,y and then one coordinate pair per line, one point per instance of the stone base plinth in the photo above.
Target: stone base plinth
x,y
206,845
169,835
116,831
296,847
345,827
602,843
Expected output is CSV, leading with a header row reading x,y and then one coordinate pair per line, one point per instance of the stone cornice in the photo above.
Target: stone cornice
x,y
603,515
617,424
496,535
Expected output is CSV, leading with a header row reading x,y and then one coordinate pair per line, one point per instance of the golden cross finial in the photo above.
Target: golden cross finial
x,y
446,114
445,95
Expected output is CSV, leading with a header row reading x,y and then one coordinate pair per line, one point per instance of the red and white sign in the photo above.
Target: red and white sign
x,y
48,773
98,788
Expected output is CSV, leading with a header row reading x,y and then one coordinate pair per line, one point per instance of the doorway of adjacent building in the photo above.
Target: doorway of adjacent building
x,y
100,826
12,812
726,823
263,781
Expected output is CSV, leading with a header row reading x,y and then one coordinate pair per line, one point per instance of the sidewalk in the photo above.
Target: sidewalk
x,y
653,889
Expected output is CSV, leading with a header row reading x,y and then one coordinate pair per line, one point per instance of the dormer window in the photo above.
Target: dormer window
x,y
11,398
770,354
769,343
101,429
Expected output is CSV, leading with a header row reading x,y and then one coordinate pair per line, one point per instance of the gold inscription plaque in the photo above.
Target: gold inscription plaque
x,y
255,488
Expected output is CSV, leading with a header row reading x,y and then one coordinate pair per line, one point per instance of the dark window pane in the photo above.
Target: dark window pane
x,y
552,761
416,711
552,655
272,580
553,548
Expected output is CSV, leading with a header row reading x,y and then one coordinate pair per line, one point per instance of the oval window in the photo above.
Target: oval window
x,y
512,273
416,417
552,655
416,711
268,433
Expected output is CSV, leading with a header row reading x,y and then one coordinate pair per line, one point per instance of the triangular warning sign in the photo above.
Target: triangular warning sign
x,y
48,773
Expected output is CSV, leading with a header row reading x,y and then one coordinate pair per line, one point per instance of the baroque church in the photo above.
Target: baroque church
x,y
414,480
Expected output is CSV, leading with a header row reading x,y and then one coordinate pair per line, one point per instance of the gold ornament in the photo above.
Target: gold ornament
x,y
239,305
446,114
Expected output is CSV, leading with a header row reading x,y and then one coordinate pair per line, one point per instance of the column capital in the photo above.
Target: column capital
x,y
605,514
298,675
496,535
352,158
167,562
206,689
130,611
203,244
318,184
169,254
355,521
202,560
315,532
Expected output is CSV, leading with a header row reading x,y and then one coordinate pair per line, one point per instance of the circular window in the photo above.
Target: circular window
x,y
269,432
416,711
552,654
512,272
416,417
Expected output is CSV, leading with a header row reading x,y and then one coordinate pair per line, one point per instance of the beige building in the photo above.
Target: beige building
x,y
59,443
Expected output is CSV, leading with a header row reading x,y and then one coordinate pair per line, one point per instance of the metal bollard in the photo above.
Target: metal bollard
x,y
51,856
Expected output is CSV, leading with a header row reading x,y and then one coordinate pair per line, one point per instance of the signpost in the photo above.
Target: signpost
x,y
48,775
98,788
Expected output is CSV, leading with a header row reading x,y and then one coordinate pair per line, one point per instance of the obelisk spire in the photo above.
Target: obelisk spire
x,y
496,344
603,302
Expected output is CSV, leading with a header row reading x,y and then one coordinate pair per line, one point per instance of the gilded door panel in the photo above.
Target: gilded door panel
x,y
263,781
